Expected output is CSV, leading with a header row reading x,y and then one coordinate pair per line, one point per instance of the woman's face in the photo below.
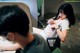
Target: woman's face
x,y
62,15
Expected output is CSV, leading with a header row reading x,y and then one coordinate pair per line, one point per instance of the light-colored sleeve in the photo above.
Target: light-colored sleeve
x,y
65,25
53,17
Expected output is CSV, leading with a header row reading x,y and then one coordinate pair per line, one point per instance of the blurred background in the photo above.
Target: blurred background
x,y
42,10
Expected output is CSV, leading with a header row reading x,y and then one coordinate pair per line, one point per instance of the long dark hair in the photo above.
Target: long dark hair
x,y
68,10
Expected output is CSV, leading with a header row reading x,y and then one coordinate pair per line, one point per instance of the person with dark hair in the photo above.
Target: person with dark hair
x,y
14,26
58,26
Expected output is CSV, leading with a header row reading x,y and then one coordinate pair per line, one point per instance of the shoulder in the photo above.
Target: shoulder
x,y
38,36
39,39
41,45
65,21
64,24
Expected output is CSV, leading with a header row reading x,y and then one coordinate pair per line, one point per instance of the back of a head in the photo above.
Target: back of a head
x,y
13,19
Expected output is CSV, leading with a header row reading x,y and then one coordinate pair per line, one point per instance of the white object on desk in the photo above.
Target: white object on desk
x,y
8,52
5,42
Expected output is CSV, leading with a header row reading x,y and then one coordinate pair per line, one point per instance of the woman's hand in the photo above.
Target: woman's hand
x,y
50,21
54,26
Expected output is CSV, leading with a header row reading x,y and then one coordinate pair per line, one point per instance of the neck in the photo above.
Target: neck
x,y
26,40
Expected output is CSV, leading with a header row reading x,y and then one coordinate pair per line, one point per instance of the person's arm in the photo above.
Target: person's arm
x,y
62,34
10,47
52,21
63,31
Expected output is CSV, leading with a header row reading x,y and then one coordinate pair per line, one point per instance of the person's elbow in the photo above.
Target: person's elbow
x,y
62,39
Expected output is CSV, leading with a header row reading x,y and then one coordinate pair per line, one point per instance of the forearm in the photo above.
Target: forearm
x,y
61,35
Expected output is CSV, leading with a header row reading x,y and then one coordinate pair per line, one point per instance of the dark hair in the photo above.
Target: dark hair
x,y
68,10
13,19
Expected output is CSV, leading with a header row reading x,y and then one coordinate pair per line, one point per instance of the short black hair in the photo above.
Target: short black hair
x,y
68,10
13,19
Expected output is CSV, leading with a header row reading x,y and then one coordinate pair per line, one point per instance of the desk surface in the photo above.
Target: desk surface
x,y
8,52
5,42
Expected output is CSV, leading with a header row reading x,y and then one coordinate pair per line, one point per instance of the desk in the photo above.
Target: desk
x,y
8,52
4,42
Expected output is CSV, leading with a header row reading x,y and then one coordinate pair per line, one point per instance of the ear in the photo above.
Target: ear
x,y
10,36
